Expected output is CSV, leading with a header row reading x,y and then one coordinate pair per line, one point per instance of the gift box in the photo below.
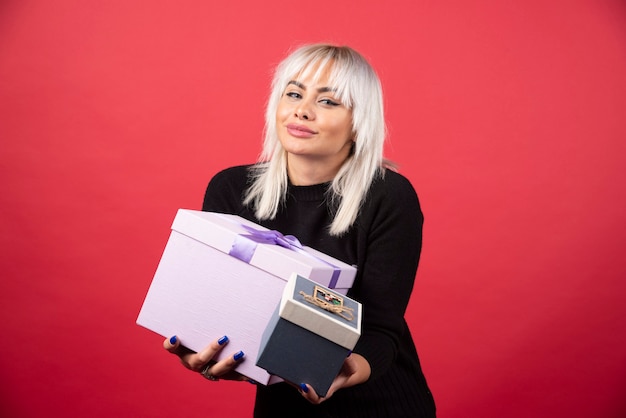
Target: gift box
x,y
310,334
223,275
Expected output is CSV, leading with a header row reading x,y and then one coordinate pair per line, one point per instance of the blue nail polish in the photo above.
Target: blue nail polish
x,y
238,356
173,340
222,340
349,352
304,388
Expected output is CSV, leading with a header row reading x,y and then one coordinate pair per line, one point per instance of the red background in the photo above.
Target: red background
x,y
508,117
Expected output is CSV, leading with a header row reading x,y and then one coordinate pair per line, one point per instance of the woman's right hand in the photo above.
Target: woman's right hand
x,y
202,361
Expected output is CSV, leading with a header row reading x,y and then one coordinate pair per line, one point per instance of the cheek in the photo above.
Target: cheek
x,y
282,112
342,128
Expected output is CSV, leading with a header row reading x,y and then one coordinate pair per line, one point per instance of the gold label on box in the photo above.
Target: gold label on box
x,y
330,302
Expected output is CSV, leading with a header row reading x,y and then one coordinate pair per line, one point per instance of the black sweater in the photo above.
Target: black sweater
x,y
384,244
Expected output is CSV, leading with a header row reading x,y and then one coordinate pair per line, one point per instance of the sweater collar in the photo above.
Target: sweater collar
x,y
315,192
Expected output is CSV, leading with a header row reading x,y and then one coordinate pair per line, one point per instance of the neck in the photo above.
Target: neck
x,y
305,172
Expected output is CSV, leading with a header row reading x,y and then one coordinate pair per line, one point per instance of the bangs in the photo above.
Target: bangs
x,y
335,62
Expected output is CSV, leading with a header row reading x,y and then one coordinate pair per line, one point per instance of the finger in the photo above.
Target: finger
x,y
309,394
226,365
174,346
171,344
197,361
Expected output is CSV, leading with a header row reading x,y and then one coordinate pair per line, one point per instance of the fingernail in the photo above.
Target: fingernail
x,y
222,340
304,388
349,352
238,356
252,382
173,340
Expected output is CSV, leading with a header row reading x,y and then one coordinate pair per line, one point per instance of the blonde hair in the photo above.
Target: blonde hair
x,y
359,89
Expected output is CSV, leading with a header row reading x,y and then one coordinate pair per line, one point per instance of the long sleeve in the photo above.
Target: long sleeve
x,y
389,251
384,244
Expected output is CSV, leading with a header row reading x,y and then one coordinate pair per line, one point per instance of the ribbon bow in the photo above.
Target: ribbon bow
x,y
245,244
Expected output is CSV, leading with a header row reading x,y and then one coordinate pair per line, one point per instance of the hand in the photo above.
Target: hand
x,y
203,362
355,370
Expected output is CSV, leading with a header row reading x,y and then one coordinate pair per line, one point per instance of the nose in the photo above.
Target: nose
x,y
303,111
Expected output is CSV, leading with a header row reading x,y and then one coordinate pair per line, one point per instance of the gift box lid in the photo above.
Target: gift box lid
x,y
259,246
322,311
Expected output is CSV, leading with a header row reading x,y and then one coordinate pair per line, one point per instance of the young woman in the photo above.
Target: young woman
x,y
322,177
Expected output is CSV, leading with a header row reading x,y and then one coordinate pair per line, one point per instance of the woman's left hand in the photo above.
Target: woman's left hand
x,y
355,370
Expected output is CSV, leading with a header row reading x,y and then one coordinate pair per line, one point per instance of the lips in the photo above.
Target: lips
x,y
300,131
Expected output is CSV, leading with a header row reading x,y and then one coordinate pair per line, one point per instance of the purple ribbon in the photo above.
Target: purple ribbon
x,y
245,245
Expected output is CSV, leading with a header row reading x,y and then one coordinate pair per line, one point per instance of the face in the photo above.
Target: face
x,y
313,126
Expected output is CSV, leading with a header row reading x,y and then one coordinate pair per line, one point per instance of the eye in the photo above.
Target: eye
x,y
329,102
293,95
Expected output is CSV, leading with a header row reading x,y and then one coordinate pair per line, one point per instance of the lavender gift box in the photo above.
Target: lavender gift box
x,y
310,334
223,275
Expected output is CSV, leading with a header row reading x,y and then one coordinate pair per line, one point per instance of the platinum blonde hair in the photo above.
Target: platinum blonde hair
x,y
357,86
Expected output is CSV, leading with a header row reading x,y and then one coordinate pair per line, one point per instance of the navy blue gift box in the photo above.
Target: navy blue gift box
x,y
310,334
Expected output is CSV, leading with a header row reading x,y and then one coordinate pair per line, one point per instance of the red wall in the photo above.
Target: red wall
x,y
508,117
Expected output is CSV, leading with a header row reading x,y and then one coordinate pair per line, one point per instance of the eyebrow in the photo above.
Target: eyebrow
x,y
303,87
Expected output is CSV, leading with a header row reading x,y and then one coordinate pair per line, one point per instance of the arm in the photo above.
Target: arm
x,y
392,221
390,234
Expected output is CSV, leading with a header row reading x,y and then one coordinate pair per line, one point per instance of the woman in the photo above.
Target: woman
x,y
322,178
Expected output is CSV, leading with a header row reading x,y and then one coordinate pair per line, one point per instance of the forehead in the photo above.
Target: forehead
x,y
322,71
324,74
316,72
